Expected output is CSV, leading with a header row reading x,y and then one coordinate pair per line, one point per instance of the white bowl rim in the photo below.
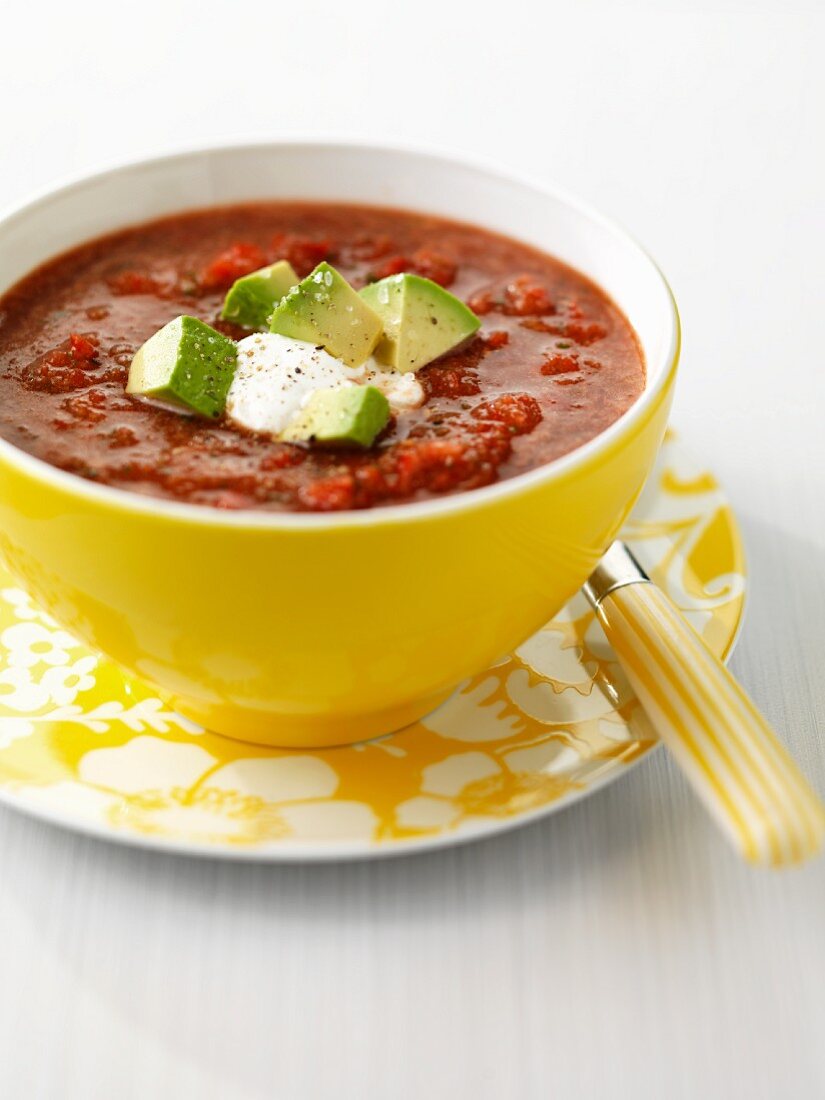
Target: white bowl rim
x,y
411,511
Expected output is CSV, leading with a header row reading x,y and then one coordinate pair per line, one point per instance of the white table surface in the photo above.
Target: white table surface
x,y
617,949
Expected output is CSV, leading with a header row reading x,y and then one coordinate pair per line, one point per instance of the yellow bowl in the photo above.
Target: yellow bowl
x,y
310,630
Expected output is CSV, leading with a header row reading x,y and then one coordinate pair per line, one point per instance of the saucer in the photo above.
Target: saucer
x,y
85,746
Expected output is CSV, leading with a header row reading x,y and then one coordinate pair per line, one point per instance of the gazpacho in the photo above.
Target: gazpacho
x,y
290,356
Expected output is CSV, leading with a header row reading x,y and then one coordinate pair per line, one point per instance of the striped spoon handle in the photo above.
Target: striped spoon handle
x,y
725,747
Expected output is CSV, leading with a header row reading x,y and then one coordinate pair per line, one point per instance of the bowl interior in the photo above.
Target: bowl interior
x,y
390,177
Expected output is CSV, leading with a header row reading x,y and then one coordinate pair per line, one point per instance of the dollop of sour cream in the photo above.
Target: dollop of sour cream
x,y
276,377
403,391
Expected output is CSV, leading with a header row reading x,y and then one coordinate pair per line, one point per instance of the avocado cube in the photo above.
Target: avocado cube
x,y
421,320
351,415
187,364
324,310
251,299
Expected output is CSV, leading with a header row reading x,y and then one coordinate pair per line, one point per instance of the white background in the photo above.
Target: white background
x,y
616,950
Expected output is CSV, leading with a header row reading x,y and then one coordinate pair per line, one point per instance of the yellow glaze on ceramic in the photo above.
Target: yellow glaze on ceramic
x,y
322,630
325,633
731,756
84,745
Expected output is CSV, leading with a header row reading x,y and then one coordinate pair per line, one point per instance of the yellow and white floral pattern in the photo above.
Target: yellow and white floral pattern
x,y
84,745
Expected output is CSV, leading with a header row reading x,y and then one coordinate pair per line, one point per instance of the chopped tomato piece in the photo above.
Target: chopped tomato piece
x,y
576,333
395,265
370,484
482,302
519,411
304,253
133,282
367,247
328,494
46,376
525,297
584,334
64,369
497,339
521,297
431,265
455,375
233,263
58,358
122,437
82,347
535,324
464,460
87,406
280,458
450,381
560,364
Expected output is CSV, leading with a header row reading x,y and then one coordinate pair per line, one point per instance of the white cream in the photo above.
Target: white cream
x,y
276,376
403,391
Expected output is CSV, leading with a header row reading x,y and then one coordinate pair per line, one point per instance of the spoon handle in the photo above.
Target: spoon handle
x,y
725,747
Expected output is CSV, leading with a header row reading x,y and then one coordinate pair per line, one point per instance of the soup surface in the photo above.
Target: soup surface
x,y
554,363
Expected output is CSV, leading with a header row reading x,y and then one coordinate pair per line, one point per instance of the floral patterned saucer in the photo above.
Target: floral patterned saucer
x,y
84,746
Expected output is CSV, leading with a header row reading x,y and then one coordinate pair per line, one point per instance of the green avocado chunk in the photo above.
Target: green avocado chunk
x,y
352,414
251,299
421,320
324,309
187,364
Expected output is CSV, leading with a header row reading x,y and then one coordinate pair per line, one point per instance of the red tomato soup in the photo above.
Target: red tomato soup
x,y
553,364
